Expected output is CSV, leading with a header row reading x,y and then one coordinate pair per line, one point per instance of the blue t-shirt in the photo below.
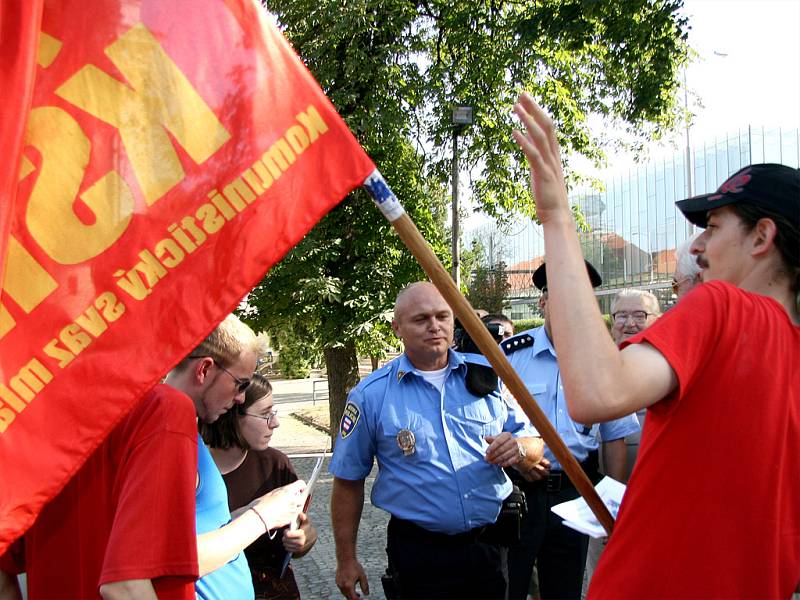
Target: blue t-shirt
x,y
232,580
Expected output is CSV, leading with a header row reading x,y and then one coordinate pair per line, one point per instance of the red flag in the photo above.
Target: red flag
x,y
19,29
173,152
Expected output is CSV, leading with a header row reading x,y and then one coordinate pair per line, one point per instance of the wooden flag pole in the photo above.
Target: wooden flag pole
x,y
424,254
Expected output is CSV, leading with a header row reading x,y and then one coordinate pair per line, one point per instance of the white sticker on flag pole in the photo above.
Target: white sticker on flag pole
x,y
383,196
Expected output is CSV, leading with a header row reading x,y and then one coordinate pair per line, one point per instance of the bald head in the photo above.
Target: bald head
x,y
424,322
415,292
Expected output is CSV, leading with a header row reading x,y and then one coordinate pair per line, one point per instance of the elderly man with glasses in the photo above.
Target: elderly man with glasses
x,y
632,311
559,552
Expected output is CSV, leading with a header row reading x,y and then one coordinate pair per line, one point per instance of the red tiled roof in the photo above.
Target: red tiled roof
x,y
522,280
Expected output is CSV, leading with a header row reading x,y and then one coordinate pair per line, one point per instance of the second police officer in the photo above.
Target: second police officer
x,y
558,551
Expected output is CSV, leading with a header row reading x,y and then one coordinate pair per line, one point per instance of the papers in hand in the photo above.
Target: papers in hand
x,y
312,481
578,516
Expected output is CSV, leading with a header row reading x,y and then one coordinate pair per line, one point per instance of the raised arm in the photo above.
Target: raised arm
x,y
347,502
600,382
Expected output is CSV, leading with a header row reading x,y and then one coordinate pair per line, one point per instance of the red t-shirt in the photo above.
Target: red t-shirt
x,y
712,509
128,513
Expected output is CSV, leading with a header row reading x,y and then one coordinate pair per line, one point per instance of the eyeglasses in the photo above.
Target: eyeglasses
x,y
268,417
638,316
241,384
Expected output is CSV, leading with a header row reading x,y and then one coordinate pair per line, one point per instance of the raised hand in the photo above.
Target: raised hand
x,y
544,158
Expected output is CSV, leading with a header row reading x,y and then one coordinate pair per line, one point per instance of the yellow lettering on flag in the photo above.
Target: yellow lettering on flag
x,y
25,282
158,97
49,47
50,216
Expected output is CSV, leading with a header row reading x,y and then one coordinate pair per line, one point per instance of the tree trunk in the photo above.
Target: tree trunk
x,y
342,366
374,360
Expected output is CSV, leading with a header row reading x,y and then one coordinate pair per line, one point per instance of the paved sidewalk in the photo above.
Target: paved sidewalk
x,y
316,571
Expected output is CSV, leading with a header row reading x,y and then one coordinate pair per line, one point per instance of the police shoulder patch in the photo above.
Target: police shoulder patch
x,y
518,342
350,418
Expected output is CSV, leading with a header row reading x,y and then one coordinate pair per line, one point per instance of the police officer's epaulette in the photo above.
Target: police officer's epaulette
x,y
518,342
376,375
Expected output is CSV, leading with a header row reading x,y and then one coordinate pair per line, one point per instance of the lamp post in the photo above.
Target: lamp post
x,y
462,117
689,186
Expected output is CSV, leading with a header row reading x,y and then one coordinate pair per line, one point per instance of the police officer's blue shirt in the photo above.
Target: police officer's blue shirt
x,y
538,369
445,485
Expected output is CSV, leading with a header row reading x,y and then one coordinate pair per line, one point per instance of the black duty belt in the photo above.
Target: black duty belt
x,y
556,481
408,529
559,480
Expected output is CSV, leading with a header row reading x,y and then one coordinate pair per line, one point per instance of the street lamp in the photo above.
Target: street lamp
x,y
689,187
462,118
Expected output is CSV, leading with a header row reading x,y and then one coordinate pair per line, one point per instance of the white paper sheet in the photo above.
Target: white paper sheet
x,y
578,516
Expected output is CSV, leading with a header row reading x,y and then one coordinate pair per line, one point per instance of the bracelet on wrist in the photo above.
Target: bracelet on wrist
x,y
260,518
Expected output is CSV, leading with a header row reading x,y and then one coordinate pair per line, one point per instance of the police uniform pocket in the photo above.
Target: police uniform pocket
x,y
483,417
538,391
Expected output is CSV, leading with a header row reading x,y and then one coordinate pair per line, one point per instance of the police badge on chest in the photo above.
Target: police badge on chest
x,y
406,441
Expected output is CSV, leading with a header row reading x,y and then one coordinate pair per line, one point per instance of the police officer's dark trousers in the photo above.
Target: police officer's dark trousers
x,y
429,565
559,552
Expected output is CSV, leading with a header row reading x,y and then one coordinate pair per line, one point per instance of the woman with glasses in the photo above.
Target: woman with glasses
x,y
239,442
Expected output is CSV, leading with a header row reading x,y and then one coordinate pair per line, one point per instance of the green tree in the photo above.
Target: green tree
x,y
393,69
488,287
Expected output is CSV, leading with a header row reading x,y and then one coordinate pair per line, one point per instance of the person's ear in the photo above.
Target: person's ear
x,y
763,236
396,329
202,369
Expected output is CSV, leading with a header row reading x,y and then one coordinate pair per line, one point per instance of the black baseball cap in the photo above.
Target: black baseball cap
x,y
540,276
769,186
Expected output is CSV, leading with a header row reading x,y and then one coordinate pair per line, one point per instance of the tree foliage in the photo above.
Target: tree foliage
x,y
488,287
394,69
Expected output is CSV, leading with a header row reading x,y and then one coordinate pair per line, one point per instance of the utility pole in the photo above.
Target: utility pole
x,y
689,186
462,117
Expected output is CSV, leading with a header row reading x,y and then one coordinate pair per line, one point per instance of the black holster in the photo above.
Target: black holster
x,y
507,530
390,584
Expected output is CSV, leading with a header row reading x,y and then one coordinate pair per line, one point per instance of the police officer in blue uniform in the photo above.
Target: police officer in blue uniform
x,y
559,552
440,446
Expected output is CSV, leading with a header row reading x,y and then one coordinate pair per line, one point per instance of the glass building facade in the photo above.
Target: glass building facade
x,y
634,226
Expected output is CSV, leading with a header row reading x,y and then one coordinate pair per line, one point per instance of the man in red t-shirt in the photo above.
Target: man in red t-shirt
x,y
711,509
124,525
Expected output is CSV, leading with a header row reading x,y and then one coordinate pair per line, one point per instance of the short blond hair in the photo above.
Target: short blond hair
x,y
227,343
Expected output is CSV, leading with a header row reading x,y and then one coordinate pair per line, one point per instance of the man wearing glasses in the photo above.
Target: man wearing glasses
x,y
125,526
559,552
218,372
632,311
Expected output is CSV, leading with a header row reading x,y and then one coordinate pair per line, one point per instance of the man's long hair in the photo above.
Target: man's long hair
x,y
787,239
